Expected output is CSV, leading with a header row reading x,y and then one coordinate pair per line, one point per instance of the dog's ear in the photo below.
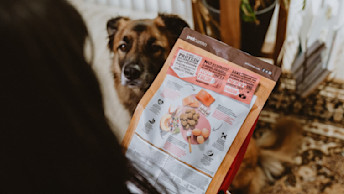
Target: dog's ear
x,y
172,23
112,27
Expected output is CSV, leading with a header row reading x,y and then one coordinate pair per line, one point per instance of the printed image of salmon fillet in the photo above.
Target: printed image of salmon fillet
x,y
204,97
191,101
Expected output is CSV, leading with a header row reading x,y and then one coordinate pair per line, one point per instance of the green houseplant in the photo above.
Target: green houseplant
x,y
255,19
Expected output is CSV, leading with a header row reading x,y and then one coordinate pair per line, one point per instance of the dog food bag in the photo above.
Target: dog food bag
x,y
189,126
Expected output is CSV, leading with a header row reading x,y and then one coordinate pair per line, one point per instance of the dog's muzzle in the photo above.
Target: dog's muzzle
x,y
131,75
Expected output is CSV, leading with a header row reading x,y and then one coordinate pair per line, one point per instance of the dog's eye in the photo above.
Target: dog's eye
x,y
123,47
157,48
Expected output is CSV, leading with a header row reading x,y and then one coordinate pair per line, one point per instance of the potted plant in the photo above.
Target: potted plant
x,y
255,19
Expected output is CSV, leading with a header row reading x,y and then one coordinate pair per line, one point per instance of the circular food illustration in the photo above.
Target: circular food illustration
x,y
190,118
195,128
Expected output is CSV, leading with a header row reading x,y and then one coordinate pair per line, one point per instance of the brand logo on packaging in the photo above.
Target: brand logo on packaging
x,y
192,38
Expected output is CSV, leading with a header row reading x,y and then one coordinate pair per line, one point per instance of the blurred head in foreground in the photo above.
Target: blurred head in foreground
x,y
54,136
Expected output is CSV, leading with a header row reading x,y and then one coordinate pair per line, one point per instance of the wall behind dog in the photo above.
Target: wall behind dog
x,y
183,8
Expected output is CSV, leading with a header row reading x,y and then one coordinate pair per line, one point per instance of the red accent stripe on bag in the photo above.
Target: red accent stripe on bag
x,y
237,161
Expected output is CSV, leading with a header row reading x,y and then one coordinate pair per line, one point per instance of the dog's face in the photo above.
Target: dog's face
x,y
141,47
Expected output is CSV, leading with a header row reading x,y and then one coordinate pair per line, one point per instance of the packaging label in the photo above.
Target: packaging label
x,y
237,83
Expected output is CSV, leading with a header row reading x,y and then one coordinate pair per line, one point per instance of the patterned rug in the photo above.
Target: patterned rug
x,y
319,164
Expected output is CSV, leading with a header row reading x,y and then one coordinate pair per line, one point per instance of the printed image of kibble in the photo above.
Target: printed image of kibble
x,y
190,115
191,122
184,123
189,118
195,116
183,117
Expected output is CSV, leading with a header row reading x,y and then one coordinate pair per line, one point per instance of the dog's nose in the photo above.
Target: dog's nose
x,y
132,71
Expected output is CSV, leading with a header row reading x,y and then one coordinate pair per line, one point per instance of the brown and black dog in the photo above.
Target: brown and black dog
x,y
140,49
265,157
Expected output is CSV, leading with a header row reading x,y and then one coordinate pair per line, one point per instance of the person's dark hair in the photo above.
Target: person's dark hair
x,y
54,136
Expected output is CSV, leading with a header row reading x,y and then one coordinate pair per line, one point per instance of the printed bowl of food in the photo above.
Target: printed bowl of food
x,y
195,122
